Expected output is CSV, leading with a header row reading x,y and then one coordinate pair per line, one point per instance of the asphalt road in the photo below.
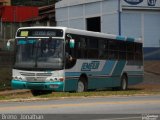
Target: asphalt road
x,y
98,108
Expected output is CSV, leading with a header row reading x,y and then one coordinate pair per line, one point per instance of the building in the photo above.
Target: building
x,y
134,18
5,2
11,18
46,17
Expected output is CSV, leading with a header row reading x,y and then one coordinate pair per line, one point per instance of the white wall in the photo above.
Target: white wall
x,y
75,15
145,24
135,21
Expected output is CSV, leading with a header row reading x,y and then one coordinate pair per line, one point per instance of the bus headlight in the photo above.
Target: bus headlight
x,y
54,79
20,78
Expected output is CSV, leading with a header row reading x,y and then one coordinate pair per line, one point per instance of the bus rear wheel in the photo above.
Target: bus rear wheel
x,y
124,82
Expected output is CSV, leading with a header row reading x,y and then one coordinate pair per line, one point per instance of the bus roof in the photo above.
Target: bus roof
x,y
87,33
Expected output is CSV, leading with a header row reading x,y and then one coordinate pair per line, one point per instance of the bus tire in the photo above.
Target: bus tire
x,y
124,82
82,85
40,92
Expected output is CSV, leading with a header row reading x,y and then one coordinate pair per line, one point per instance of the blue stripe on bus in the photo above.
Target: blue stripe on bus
x,y
121,38
22,42
119,67
130,39
31,41
108,67
72,74
105,71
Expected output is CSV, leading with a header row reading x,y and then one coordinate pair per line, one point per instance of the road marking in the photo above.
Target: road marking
x,y
77,105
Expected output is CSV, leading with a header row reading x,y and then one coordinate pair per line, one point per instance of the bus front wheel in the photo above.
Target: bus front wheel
x,y
124,82
80,87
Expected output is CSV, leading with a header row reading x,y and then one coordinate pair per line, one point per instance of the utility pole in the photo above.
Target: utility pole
x,y
14,15
119,17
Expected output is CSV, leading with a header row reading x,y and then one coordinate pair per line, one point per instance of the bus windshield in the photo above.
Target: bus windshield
x,y
39,53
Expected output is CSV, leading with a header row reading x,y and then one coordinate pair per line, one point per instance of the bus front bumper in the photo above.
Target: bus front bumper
x,y
54,86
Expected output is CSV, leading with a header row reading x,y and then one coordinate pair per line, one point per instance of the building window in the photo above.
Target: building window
x,y
94,24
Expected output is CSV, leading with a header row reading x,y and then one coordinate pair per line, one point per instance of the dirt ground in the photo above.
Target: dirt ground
x,y
152,67
151,76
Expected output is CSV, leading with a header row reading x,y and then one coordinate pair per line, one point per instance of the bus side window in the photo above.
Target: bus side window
x,y
113,50
103,49
122,50
92,48
81,47
130,51
82,43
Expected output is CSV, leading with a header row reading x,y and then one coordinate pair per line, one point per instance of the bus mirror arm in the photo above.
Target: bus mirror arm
x,y
9,43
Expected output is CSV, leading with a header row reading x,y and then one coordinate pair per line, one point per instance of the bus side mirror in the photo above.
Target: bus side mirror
x,y
8,45
72,43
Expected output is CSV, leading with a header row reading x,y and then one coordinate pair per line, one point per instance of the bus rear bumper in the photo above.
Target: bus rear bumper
x,y
53,86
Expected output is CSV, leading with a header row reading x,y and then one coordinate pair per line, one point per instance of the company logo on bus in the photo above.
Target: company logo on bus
x,y
133,2
90,66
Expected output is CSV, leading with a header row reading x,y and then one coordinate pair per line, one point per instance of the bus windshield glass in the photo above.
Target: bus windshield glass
x,y
39,53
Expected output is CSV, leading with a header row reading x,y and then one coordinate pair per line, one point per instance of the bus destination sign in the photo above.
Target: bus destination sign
x,y
40,33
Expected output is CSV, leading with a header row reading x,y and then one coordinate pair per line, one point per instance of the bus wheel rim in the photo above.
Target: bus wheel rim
x,y
124,84
80,86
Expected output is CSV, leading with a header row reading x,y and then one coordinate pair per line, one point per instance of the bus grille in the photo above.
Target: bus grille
x,y
44,74
36,74
27,74
36,77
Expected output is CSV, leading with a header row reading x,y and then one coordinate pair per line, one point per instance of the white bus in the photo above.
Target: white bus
x,y
65,59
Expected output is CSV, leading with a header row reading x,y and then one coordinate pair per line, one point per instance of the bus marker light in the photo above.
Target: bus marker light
x,y
61,79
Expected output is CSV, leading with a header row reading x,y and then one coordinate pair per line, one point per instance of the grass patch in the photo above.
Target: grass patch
x,y
129,92
16,96
58,95
2,98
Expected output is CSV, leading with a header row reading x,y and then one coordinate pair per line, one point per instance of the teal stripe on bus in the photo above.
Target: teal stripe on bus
x,y
22,42
108,67
117,72
121,38
130,39
72,73
105,71
119,67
